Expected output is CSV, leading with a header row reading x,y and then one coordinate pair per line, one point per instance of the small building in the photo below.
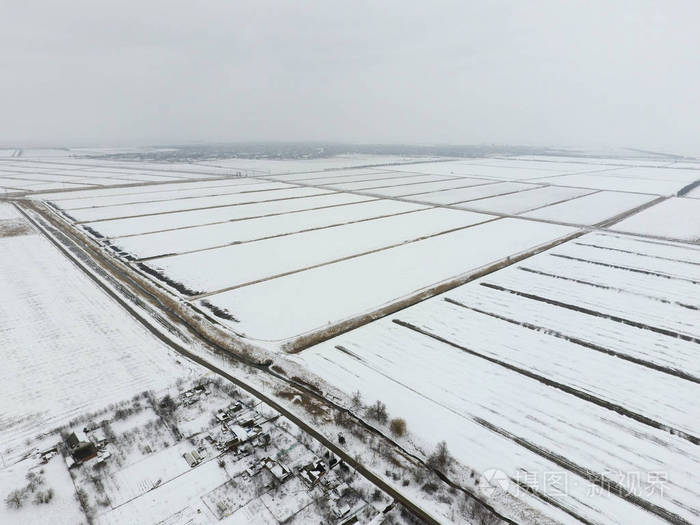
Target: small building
x,y
312,472
191,461
239,434
222,416
98,437
279,471
80,447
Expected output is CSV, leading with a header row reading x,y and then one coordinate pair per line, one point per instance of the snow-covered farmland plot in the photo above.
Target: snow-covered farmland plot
x,y
228,267
527,200
186,219
573,372
287,307
246,230
66,346
608,180
470,193
195,203
674,218
591,209
475,168
411,189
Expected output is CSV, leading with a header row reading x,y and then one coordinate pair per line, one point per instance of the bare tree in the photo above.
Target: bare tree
x,y
440,459
378,412
15,499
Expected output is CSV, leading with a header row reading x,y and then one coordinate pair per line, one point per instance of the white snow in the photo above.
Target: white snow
x,y
521,202
140,225
289,306
607,180
67,347
242,264
169,206
674,218
591,209
198,238
472,193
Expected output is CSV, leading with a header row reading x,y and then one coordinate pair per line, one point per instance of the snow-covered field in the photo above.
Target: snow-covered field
x,y
573,372
194,203
540,376
241,264
220,234
290,306
591,209
521,202
609,180
674,218
67,347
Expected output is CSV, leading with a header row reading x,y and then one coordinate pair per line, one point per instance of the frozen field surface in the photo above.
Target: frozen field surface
x,y
534,370
238,265
67,347
187,219
591,209
457,195
521,202
675,218
195,203
610,181
198,238
289,306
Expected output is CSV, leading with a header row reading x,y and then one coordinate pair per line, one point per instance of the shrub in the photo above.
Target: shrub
x,y
16,498
429,487
398,426
43,497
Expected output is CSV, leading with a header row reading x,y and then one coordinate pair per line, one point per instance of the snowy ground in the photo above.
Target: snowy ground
x,y
675,218
571,372
524,384
67,347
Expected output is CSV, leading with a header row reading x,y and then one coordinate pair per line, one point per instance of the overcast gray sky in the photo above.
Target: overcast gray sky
x,y
589,73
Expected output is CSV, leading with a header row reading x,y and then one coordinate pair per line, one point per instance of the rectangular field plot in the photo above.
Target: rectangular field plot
x,y
411,189
238,265
591,209
385,183
67,347
675,218
170,206
167,194
287,307
340,177
457,195
521,202
147,189
472,168
202,237
609,181
187,219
